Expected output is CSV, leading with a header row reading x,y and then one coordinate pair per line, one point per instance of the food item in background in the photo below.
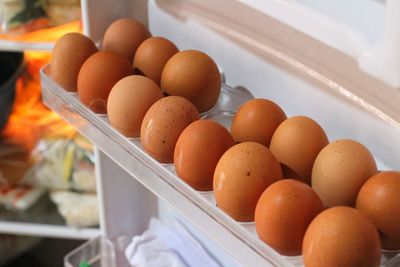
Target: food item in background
x,y
19,197
98,74
162,125
15,161
78,210
296,143
194,75
339,171
241,176
198,150
128,102
151,57
62,164
124,36
379,200
341,236
69,53
256,121
283,213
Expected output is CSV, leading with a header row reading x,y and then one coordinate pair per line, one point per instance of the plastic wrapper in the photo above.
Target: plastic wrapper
x,y
15,161
20,16
79,210
64,163
19,197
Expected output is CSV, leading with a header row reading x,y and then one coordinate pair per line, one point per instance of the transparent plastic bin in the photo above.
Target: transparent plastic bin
x,y
97,252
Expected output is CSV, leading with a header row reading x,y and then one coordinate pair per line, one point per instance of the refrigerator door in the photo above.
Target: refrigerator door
x,y
310,57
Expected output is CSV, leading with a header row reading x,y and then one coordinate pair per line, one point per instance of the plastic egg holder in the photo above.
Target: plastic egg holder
x,y
228,102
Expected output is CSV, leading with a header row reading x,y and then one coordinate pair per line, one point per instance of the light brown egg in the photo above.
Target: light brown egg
x,y
162,125
152,55
283,213
379,200
256,121
296,143
198,150
124,36
69,53
341,236
128,102
193,75
340,170
98,75
241,176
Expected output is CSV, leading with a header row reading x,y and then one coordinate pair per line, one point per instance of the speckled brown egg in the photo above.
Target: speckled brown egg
x,y
198,150
152,55
124,36
128,102
341,236
193,75
162,125
69,53
98,75
379,200
340,170
256,121
242,174
283,213
296,143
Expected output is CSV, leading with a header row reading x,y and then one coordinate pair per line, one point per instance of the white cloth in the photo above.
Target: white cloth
x,y
161,246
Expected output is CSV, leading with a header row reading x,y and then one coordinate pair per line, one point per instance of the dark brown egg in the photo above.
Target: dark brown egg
x,y
163,124
69,53
98,75
152,55
241,176
296,143
379,200
256,121
193,75
124,36
198,150
283,213
341,236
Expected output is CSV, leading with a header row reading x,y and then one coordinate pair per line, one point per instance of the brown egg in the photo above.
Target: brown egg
x,y
162,125
128,102
198,150
98,75
296,143
283,213
124,36
152,55
242,174
194,75
69,53
256,121
340,170
341,236
379,200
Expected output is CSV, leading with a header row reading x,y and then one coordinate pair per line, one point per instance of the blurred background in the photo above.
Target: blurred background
x,y
48,202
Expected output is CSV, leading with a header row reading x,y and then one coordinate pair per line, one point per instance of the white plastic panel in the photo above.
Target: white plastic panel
x,y
365,30
340,118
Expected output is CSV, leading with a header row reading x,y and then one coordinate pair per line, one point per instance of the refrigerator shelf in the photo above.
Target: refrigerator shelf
x,y
43,220
198,208
239,239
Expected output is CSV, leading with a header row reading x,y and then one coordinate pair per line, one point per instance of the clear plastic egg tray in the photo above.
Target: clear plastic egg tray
x,y
160,178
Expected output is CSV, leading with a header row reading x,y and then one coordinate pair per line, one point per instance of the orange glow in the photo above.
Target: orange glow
x,y
30,120
46,34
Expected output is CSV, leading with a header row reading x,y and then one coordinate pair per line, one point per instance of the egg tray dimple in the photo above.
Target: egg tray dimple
x,y
229,101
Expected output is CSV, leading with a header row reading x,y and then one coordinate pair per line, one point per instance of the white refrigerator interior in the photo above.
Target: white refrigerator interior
x,y
323,59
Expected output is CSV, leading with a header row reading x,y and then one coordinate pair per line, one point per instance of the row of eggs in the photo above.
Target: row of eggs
x,y
244,167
